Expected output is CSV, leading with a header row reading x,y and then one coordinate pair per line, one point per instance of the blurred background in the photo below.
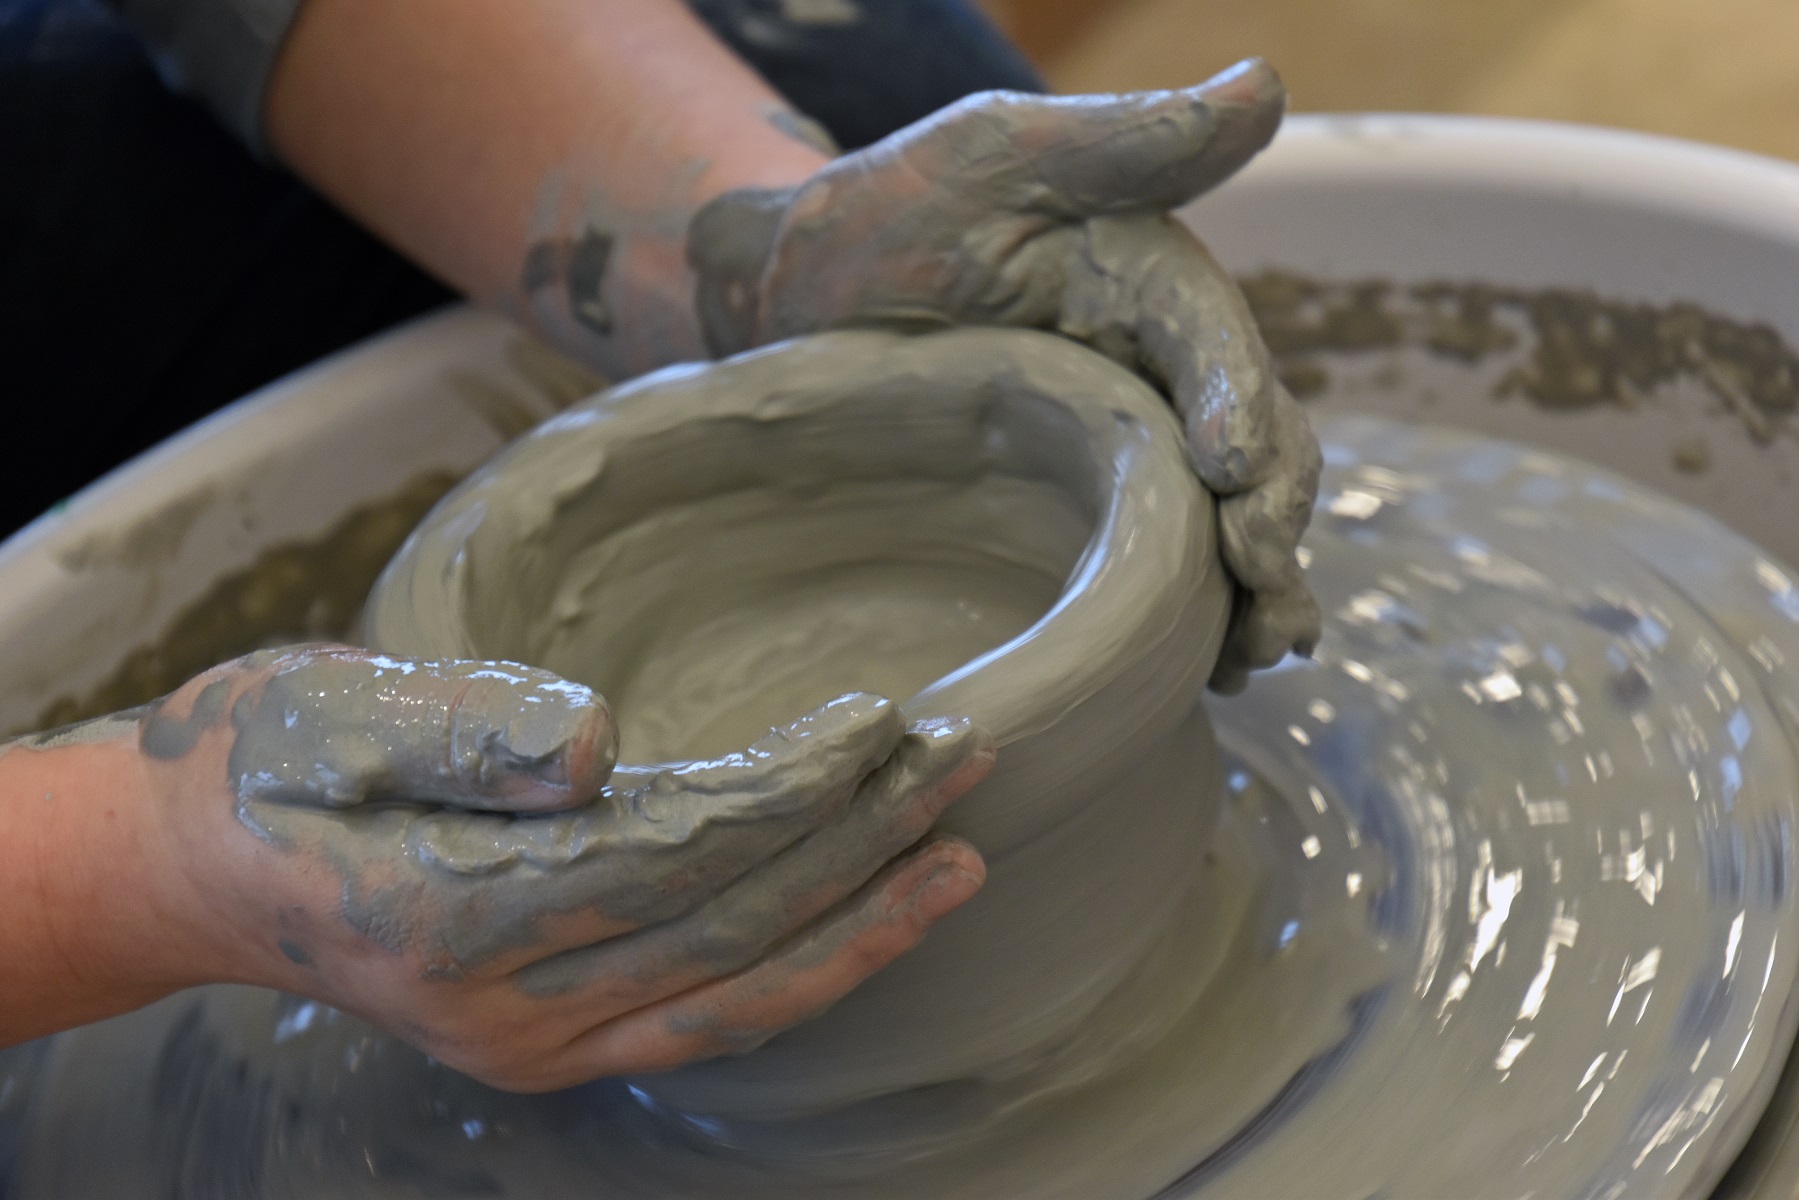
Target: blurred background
x,y
1722,71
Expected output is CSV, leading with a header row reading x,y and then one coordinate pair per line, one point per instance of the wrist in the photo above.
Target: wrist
x,y
97,921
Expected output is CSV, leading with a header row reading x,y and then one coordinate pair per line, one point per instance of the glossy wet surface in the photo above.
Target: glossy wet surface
x,y
1501,905
1565,706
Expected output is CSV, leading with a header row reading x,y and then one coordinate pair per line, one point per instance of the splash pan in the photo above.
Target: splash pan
x,y
1505,904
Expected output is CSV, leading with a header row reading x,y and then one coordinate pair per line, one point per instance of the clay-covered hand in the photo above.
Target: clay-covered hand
x,y
1052,212
436,847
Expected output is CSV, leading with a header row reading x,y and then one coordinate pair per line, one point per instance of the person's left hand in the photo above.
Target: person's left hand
x,y
445,849
1052,212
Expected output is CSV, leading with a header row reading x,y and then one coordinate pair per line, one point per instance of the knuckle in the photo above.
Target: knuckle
x,y
727,943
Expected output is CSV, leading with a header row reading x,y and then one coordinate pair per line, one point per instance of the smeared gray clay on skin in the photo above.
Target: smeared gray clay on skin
x,y
164,735
599,277
1267,1005
315,1053
1162,305
733,928
579,265
1016,210
357,762
412,784
465,887
289,1052
844,488
339,731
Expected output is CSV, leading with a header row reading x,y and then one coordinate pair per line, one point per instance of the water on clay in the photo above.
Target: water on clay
x,y
1502,626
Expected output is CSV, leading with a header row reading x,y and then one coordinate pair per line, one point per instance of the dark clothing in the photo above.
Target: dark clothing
x,y
152,269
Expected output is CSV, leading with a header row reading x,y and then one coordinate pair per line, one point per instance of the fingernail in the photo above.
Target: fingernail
x,y
1249,82
532,723
1246,104
592,752
947,887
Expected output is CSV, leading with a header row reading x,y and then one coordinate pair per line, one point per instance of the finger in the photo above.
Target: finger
x,y
938,761
1196,334
1087,156
1267,627
889,916
1258,533
1259,530
336,727
671,839
492,892
1144,291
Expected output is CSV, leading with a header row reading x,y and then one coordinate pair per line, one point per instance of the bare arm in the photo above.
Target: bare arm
x,y
436,847
542,154
88,927
568,159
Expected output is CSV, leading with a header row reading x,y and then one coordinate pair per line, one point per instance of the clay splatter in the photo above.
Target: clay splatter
x,y
1578,349
296,591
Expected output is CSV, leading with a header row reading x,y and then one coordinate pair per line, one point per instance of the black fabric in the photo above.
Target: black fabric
x,y
151,270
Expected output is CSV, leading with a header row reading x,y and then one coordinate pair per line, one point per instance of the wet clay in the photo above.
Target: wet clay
x,y
1521,827
307,590
1269,1005
991,524
1583,349
1052,212
693,867
351,731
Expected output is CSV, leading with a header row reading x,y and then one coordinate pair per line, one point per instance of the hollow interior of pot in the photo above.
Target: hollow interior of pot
x,y
725,608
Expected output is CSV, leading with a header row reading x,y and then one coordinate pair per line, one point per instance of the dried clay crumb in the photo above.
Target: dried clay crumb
x,y
1583,349
1692,455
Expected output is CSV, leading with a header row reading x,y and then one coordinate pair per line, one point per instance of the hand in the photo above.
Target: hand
x,y
433,847
1051,212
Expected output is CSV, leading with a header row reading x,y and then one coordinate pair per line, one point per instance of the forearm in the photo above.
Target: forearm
x,y
87,928
545,155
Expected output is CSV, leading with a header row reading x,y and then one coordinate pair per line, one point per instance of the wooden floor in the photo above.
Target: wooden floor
x,y
1717,70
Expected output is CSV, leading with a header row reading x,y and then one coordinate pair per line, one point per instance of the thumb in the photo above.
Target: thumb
x,y
334,727
1088,156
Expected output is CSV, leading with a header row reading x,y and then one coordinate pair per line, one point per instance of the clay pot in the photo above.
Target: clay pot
x,y
1013,467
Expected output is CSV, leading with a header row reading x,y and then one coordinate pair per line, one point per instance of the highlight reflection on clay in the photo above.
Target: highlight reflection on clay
x,y
997,524
1414,885
435,846
1052,212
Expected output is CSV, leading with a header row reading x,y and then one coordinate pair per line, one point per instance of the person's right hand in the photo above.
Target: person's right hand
x,y
1052,212
333,818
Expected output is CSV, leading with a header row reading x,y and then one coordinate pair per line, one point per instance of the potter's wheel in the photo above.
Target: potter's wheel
x,y
1524,924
